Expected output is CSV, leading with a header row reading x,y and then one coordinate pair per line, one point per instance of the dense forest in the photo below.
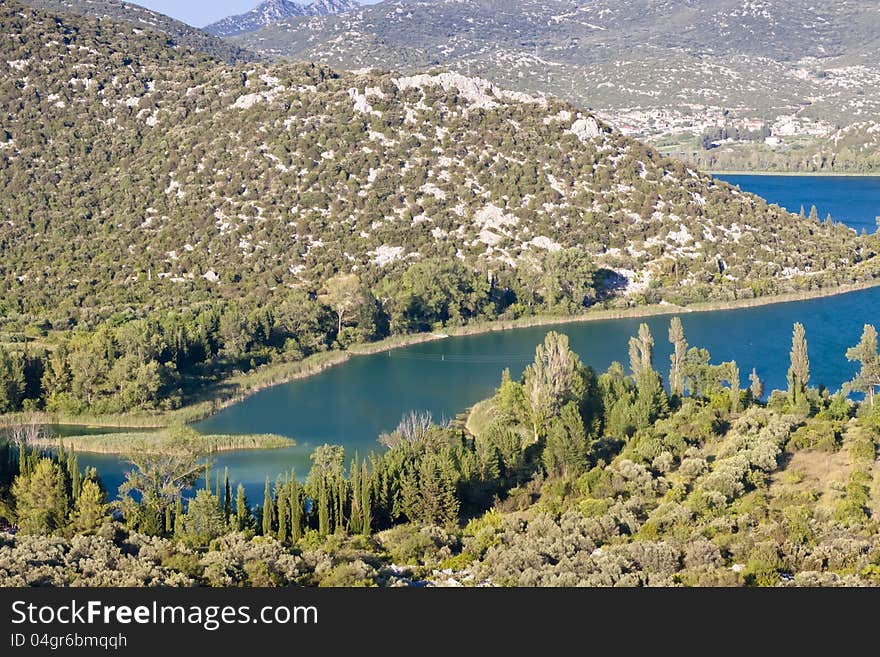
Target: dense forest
x,y
564,477
169,219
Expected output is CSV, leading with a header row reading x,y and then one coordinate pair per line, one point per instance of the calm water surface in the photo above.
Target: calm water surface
x,y
353,403
853,200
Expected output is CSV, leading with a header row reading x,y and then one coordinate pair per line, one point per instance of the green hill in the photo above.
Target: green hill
x,y
249,213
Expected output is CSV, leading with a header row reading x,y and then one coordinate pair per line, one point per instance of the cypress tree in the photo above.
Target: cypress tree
x,y
178,516
355,516
73,472
341,485
169,519
323,508
365,501
207,476
283,513
22,460
295,502
227,495
268,511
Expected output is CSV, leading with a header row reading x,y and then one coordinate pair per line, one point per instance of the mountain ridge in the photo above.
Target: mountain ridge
x,y
273,11
667,71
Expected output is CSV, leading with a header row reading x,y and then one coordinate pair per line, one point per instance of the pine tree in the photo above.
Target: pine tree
x,y
268,511
207,476
799,370
679,352
91,508
41,499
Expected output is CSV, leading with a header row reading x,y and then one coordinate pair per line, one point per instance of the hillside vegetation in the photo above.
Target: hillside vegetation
x,y
186,219
672,72
175,32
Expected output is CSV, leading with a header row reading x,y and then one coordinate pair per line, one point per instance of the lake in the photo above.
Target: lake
x,y
353,403
853,200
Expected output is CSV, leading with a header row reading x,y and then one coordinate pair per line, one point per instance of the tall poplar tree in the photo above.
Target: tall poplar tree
x,y
679,352
799,370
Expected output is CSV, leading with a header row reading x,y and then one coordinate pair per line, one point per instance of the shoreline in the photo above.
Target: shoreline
x,y
273,375
795,174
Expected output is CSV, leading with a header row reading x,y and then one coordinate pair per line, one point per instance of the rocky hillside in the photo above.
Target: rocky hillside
x,y
273,11
669,71
180,33
139,176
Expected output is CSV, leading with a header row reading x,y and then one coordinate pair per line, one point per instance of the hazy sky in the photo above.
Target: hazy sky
x,y
203,12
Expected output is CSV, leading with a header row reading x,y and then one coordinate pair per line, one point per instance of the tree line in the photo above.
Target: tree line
x,y
560,421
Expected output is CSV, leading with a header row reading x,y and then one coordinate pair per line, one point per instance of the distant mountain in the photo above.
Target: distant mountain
x,y
138,176
667,71
273,11
331,7
180,33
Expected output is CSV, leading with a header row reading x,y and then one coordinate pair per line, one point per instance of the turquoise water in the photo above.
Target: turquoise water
x,y
853,200
353,403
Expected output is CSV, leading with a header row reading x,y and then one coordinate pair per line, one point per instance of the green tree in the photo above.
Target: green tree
x,y
679,351
641,353
757,386
566,453
90,510
799,370
41,500
12,381
865,352
203,520
242,514
268,520
161,476
344,294
552,380
568,280
227,495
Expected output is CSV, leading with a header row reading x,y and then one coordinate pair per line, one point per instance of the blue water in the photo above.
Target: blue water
x,y
853,200
353,403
